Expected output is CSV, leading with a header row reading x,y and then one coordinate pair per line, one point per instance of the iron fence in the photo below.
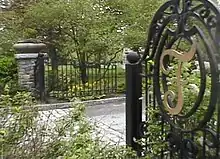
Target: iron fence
x,y
70,79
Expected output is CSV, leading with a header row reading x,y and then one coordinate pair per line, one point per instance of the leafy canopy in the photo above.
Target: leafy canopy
x,y
98,29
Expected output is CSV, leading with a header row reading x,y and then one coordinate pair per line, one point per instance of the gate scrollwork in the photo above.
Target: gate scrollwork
x,y
184,38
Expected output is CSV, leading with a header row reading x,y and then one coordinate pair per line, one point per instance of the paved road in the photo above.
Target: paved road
x,y
109,120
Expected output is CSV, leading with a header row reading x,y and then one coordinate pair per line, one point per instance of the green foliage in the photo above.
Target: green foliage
x,y
97,29
8,68
80,142
86,30
25,136
78,28
135,17
15,121
8,72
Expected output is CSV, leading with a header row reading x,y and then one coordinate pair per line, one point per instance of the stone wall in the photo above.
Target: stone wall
x,y
26,64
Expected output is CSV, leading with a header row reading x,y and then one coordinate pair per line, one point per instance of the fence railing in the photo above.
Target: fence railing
x,y
70,79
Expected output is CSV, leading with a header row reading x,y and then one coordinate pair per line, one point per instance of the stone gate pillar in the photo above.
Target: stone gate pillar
x,y
27,53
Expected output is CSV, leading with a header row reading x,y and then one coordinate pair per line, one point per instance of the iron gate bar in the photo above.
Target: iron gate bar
x,y
133,103
68,83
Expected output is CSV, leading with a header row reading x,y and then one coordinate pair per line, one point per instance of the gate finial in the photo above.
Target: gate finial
x,y
133,57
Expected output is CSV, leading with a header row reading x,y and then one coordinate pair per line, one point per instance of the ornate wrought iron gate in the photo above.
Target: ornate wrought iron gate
x,y
178,80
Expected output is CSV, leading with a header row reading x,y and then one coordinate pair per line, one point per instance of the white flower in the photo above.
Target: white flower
x,y
197,71
169,83
194,88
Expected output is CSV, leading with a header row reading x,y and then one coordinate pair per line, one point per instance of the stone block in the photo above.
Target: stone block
x,y
26,56
26,77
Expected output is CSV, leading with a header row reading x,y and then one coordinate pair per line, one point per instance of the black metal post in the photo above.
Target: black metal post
x,y
133,103
41,78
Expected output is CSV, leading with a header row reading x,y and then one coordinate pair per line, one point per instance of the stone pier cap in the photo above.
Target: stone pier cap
x,y
29,46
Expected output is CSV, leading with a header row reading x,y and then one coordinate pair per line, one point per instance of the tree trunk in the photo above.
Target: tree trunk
x,y
54,59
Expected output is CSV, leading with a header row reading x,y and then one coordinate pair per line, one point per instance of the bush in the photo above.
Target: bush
x,y
8,72
25,136
16,122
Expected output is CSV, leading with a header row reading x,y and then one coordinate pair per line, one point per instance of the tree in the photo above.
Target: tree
x,y
11,16
77,27
134,17
94,30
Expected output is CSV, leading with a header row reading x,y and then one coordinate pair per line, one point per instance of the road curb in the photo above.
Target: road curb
x,y
45,107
